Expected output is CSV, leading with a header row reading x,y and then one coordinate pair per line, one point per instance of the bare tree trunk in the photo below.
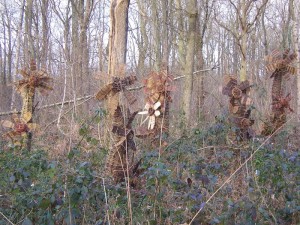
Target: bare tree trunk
x,y
118,36
117,159
265,40
144,42
102,50
189,66
205,11
156,34
45,32
4,71
30,54
20,25
296,42
181,36
165,33
28,38
75,50
244,37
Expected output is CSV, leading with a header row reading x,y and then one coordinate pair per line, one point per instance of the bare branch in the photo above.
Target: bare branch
x,y
259,12
235,34
89,97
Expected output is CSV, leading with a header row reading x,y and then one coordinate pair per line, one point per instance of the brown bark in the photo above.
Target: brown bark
x,y
117,161
203,22
45,32
156,35
144,41
189,66
29,51
295,11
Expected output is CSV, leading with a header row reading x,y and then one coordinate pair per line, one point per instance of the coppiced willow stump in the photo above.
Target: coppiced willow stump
x,y
157,107
239,108
280,65
121,155
33,80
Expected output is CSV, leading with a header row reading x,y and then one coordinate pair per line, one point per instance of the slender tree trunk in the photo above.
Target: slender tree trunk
x,y
118,36
3,71
265,40
117,158
181,35
17,59
203,23
189,67
28,39
30,54
101,39
244,35
295,43
165,33
75,49
4,64
117,164
45,32
156,34
144,42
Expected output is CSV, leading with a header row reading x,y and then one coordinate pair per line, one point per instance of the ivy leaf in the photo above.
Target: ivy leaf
x,y
45,203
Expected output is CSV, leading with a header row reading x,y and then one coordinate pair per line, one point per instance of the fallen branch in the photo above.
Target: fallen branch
x,y
88,97
178,78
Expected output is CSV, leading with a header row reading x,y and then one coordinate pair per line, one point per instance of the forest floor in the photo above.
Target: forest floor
x,y
257,182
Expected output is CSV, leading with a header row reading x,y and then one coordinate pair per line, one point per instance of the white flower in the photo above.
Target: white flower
x,y
151,112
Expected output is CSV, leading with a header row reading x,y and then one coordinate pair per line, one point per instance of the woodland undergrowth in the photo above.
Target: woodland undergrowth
x,y
40,187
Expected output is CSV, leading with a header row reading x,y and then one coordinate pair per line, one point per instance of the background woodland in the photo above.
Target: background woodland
x,y
194,174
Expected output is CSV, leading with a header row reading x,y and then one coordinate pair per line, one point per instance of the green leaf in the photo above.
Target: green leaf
x,y
83,131
94,141
45,203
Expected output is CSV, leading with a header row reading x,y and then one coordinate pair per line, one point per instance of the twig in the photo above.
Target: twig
x,y
106,201
243,164
7,218
62,106
88,97
91,96
177,78
66,113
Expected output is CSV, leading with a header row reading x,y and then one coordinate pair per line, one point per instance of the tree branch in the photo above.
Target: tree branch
x,y
89,97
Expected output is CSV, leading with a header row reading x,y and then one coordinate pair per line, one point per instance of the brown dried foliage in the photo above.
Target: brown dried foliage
x,y
279,64
118,84
239,107
124,146
158,87
123,134
19,127
34,79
